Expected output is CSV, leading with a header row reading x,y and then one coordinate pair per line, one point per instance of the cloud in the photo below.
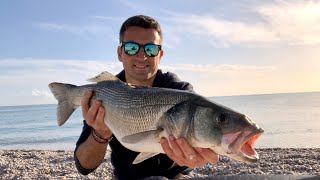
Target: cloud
x,y
36,92
32,76
19,77
74,70
92,29
107,18
54,67
132,5
268,24
218,68
43,93
40,97
296,23
288,23
224,79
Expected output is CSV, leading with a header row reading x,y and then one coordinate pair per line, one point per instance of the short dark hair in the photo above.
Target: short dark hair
x,y
140,21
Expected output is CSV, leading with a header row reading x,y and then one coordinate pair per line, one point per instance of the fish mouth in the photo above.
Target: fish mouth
x,y
243,145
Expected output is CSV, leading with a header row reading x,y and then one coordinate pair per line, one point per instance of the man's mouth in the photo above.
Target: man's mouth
x,y
140,66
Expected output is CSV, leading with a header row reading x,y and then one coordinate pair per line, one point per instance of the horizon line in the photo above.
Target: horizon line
x,y
317,91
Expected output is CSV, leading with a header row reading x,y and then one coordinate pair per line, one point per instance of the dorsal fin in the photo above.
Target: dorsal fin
x,y
104,76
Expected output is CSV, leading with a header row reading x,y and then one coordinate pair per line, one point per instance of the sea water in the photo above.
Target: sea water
x,y
290,120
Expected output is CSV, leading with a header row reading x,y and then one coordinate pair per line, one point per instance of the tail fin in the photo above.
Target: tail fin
x,y
65,105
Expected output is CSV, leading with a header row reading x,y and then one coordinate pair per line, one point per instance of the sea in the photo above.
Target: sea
x,y
290,120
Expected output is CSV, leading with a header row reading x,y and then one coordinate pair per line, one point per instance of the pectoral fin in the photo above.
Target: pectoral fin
x,y
146,136
143,156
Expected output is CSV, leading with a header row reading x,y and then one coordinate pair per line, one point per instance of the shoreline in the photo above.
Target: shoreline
x,y
59,164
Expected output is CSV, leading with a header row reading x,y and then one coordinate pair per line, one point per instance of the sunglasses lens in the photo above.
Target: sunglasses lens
x,y
151,50
131,48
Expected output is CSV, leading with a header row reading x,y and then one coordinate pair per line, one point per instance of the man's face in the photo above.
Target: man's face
x,y
140,68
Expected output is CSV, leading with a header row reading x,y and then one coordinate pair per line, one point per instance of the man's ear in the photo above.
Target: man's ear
x,y
119,51
161,54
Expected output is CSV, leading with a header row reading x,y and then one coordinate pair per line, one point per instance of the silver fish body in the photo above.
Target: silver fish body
x,y
140,116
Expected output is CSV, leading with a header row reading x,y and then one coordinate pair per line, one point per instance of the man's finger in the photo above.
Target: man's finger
x,y
100,117
85,102
176,147
92,113
167,149
188,150
209,155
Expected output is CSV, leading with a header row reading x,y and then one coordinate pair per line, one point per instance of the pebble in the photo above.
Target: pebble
x,y
45,164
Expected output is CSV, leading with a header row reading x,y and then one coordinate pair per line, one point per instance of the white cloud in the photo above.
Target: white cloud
x,y
36,92
288,23
64,66
83,30
296,23
45,94
279,22
214,68
19,77
225,79
108,18
79,70
34,75
132,5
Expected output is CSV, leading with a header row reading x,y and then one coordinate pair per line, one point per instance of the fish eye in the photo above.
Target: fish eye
x,y
222,119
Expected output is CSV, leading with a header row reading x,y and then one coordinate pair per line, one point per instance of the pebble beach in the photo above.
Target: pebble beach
x,y
59,164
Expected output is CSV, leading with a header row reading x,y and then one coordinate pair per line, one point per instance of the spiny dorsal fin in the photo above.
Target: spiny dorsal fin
x,y
104,76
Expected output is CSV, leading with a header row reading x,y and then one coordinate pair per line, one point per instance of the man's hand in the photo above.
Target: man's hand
x,y
94,115
185,155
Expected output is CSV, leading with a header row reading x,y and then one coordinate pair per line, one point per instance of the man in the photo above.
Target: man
x,y
140,53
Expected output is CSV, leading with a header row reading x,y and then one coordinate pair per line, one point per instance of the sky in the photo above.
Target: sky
x,y
222,48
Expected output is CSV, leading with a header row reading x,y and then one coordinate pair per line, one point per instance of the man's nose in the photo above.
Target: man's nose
x,y
141,54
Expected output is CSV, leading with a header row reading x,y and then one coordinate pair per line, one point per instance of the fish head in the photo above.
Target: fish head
x,y
239,145
226,132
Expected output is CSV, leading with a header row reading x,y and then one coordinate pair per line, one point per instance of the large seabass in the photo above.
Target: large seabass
x,y
140,116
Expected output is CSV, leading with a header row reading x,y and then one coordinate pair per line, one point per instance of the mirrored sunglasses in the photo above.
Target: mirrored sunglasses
x,y
132,48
